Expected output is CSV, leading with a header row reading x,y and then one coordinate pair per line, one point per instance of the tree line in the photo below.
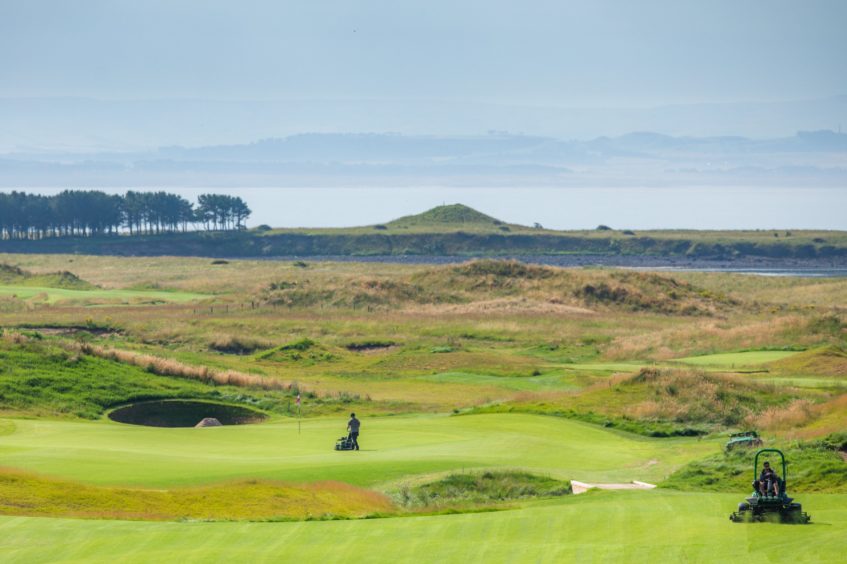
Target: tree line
x,y
85,213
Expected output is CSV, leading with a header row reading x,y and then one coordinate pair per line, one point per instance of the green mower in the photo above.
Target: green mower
x,y
773,505
747,439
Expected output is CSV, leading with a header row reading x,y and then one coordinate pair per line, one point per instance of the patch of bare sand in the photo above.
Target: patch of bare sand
x,y
582,487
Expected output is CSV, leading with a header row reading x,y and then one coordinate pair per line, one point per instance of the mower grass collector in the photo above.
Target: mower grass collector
x,y
345,443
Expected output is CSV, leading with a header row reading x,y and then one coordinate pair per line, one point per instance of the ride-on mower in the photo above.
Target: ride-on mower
x,y
747,439
766,506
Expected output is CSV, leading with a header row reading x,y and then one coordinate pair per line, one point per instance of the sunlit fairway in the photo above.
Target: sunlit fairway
x,y
53,295
737,359
593,526
654,526
394,448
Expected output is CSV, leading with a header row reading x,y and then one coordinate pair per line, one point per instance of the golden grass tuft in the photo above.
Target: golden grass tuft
x,y
796,414
170,367
831,418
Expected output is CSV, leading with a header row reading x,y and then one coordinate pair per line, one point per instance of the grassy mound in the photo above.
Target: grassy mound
x,y
13,275
456,215
830,360
637,291
481,281
353,293
40,378
815,466
480,489
303,351
255,500
184,413
659,403
238,344
500,269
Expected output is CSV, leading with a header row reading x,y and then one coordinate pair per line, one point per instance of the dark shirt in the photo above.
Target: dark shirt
x,y
353,425
767,474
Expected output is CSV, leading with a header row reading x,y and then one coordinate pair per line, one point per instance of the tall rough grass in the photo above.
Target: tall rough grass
x,y
796,414
169,367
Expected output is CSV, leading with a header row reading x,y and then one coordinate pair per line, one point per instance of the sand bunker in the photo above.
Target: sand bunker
x,y
184,413
582,487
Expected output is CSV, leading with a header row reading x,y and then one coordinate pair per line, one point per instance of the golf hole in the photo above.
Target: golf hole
x,y
184,413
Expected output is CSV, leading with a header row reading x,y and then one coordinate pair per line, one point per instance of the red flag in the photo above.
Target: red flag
x,y
298,399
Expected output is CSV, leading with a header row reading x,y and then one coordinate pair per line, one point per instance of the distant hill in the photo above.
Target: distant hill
x,y
453,215
808,158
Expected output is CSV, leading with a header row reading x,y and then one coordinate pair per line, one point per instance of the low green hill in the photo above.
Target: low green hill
x,y
454,215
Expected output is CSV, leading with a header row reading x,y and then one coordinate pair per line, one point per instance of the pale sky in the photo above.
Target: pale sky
x,y
527,52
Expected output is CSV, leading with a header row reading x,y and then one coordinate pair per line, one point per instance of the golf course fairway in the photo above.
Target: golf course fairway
x,y
105,452
643,526
657,525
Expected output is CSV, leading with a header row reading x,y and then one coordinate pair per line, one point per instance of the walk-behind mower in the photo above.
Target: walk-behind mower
x,y
771,506
345,443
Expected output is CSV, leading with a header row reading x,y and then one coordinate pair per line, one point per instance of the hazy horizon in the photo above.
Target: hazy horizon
x,y
101,93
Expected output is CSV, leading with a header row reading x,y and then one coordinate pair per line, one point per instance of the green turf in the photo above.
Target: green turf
x,y
737,359
521,383
54,295
803,382
654,526
394,448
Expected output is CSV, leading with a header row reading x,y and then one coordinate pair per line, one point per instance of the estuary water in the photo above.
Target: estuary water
x,y
719,207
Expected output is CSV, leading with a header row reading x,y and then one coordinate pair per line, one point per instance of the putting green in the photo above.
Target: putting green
x,y
654,526
738,359
53,295
395,448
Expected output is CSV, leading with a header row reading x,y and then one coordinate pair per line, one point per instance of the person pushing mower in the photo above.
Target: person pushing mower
x,y
353,428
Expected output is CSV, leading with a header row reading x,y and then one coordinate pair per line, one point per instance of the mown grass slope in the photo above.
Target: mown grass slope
x,y
606,526
395,449
255,500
